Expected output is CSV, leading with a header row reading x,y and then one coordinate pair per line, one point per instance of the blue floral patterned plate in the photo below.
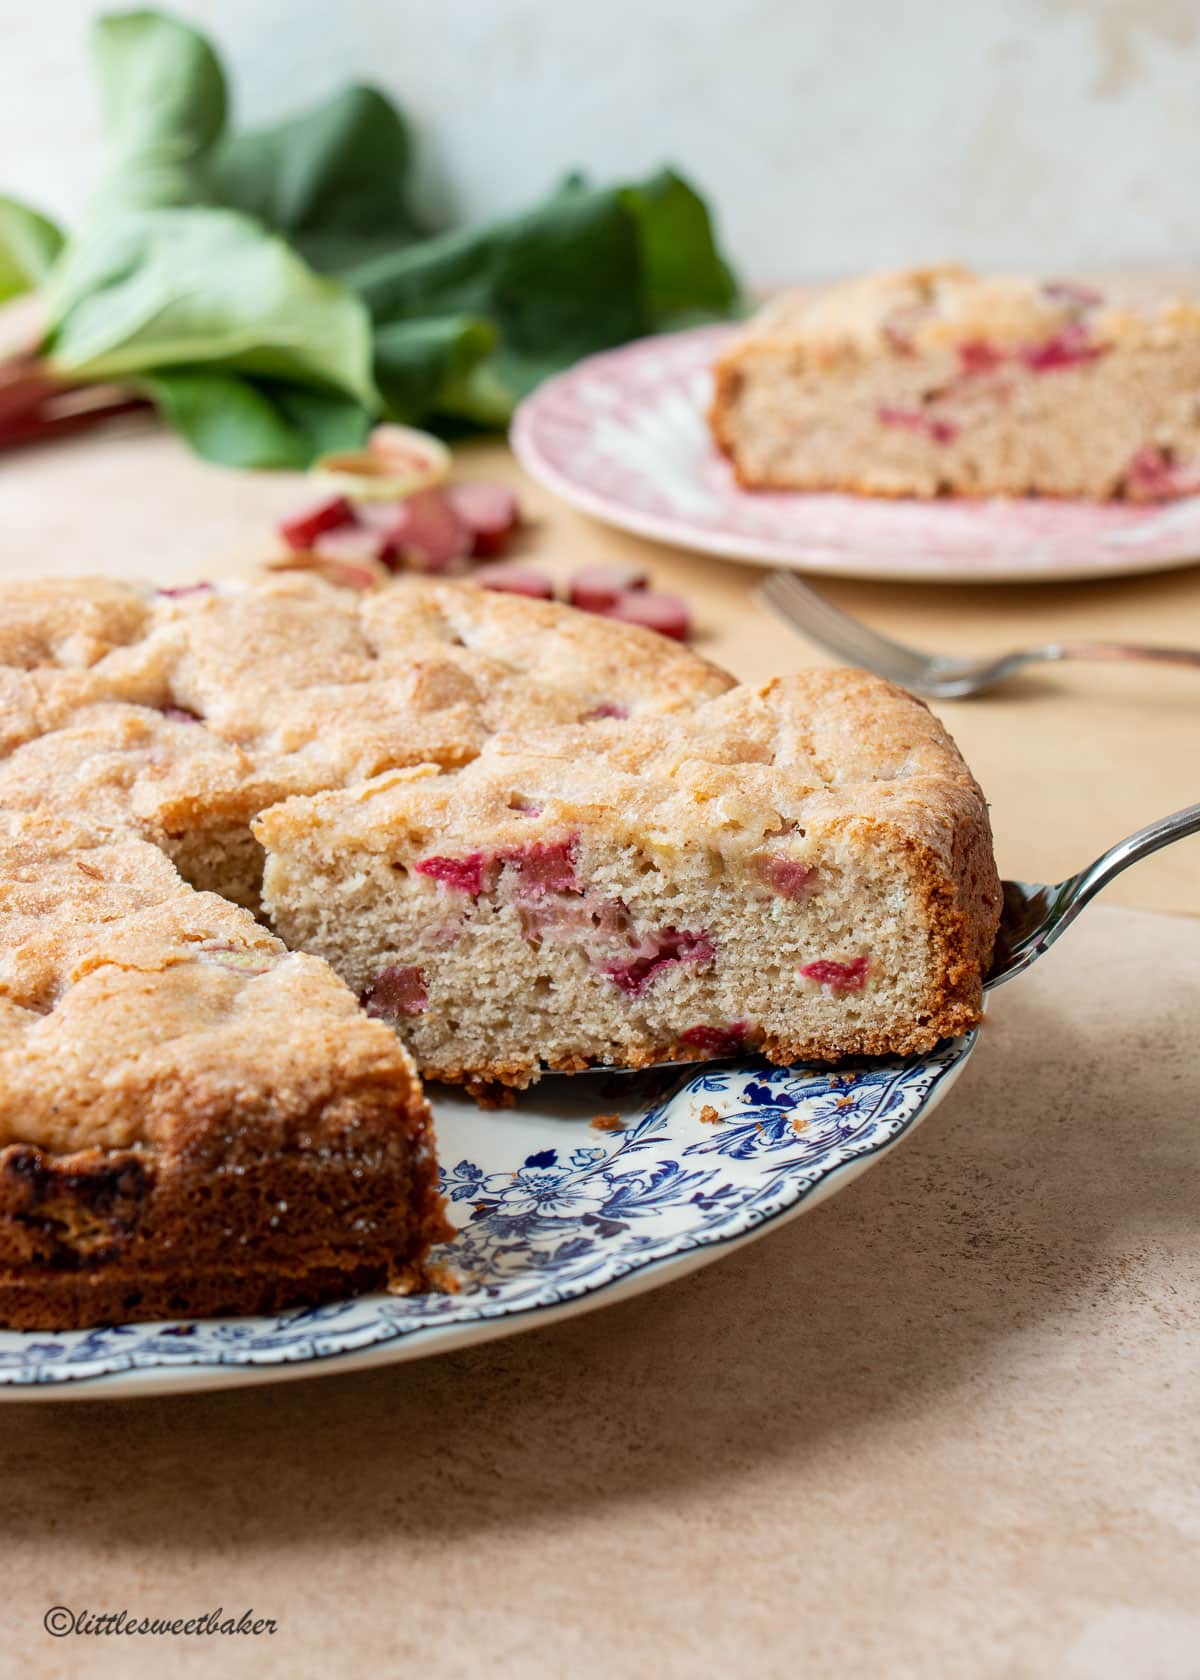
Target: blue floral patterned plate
x,y
554,1216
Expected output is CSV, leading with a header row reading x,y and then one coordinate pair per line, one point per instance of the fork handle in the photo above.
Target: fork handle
x,y
1122,650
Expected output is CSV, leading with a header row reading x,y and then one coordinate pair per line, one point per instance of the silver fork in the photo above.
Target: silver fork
x,y
1036,913
934,675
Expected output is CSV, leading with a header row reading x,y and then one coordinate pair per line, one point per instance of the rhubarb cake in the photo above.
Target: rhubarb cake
x,y
273,851
802,867
194,1119
938,381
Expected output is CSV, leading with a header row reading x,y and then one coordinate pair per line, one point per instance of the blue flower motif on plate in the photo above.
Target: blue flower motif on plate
x,y
549,1210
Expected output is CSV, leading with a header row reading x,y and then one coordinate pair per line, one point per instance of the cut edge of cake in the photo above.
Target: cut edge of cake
x,y
674,890
928,382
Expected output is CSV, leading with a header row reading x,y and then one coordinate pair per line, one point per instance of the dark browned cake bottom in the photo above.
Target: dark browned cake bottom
x,y
113,1236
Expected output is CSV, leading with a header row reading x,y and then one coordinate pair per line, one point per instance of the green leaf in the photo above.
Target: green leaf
x,y
587,269
683,274
164,104
211,274
558,282
29,244
334,179
163,288
435,365
241,422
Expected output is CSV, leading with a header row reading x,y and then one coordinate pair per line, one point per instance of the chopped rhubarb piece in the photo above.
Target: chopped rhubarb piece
x,y
915,420
1073,294
183,589
426,534
459,874
606,709
1068,348
1149,475
180,714
1153,476
357,543
490,513
516,580
380,516
303,529
788,877
597,588
569,916
667,614
543,866
717,1041
654,952
976,355
838,976
396,991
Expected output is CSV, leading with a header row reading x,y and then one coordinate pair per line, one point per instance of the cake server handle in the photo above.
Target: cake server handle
x,y
1035,914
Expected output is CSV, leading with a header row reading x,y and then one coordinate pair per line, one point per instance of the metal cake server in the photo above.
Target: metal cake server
x,y
934,675
1035,913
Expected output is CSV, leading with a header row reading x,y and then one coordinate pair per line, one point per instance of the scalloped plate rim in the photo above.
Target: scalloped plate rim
x,y
693,1251
726,543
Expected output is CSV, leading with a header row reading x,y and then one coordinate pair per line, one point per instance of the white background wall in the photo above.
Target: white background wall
x,y
1050,133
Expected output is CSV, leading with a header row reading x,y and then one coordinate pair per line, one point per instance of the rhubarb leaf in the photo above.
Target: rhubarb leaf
x,y
436,365
557,282
29,244
164,106
171,287
587,269
230,275
684,276
333,180
243,422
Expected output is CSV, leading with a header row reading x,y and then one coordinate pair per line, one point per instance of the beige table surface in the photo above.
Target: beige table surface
x,y
946,1425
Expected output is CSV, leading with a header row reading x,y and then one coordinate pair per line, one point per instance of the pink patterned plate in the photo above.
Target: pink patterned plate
x,y
622,435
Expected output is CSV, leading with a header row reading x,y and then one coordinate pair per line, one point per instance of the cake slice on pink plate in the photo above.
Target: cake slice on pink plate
x,y
939,381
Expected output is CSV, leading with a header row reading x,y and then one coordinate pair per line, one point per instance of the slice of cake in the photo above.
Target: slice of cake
x,y
802,868
193,1120
938,381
